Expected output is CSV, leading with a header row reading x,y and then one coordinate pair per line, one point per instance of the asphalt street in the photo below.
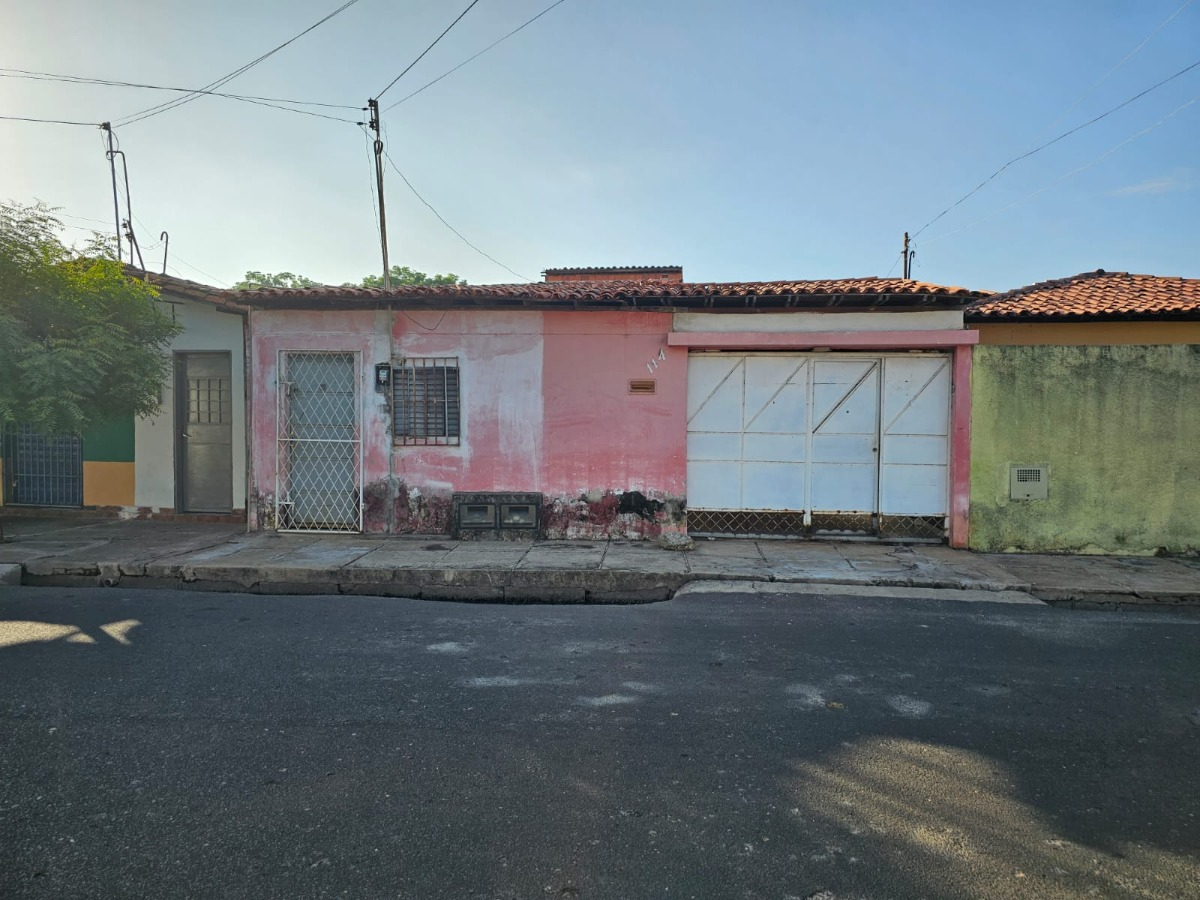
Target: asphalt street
x,y
720,745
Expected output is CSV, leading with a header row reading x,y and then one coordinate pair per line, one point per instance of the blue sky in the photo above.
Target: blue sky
x,y
747,140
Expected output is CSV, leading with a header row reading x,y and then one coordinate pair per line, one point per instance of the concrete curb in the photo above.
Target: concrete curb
x,y
497,585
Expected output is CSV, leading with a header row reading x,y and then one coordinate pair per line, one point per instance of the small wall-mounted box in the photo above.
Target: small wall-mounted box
x,y
496,516
1028,482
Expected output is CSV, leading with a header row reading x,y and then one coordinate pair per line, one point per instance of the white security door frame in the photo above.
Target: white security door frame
x,y
319,459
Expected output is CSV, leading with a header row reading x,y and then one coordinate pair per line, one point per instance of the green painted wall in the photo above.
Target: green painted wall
x,y
110,442
1119,427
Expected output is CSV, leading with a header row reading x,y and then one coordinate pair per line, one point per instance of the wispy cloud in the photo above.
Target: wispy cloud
x,y
1175,183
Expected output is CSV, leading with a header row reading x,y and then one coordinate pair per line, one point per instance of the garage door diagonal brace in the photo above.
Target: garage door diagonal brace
x,y
846,396
913,399
778,391
713,392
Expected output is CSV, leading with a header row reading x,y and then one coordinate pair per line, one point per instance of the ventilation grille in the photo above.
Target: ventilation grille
x,y
642,386
1028,482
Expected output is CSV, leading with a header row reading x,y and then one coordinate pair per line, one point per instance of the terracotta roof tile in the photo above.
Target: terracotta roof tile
x,y
1095,295
625,293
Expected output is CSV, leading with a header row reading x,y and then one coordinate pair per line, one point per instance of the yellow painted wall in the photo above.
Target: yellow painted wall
x,y
1076,334
107,483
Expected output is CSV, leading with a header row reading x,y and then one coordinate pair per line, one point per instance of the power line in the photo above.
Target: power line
x,y
1053,141
179,101
1103,156
481,52
457,233
427,49
49,121
1128,56
106,82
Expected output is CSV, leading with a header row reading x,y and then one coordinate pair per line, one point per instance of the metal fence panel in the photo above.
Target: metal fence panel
x,y
42,469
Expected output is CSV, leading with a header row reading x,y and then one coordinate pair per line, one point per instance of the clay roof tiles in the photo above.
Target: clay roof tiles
x,y
1095,295
584,293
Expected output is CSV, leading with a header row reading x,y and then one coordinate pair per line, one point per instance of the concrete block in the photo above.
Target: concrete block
x,y
10,573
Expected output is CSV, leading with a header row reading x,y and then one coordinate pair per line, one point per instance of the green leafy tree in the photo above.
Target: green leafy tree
x,y
273,280
404,275
81,343
401,275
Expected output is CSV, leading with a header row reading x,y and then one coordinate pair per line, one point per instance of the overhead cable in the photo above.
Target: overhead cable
x,y
1128,56
426,50
481,52
78,79
49,121
1053,141
457,233
1103,156
179,101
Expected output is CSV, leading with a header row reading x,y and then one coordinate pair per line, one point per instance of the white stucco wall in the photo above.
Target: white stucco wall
x,y
205,328
781,323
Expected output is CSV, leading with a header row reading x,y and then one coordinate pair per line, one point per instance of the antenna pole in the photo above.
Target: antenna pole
x,y
373,108
907,254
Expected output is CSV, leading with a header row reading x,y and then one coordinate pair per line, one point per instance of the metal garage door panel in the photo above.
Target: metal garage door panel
x,y
913,491
916,395
767,485
776,394
846,396
856,449
714,485
843,488
914,449
773,447
715,394
914,439
707,445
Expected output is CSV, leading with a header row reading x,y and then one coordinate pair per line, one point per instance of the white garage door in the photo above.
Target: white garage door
x,y
825,442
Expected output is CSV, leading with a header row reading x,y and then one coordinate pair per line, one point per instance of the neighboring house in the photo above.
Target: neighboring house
x,y
190,458
1087,387
613,402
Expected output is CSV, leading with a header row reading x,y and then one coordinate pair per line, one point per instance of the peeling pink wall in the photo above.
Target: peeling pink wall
x,y
598,434
545,402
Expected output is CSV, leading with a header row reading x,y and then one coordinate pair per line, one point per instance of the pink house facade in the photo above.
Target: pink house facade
x,y
612,403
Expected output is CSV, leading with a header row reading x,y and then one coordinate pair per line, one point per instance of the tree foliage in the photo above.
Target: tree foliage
x,y
80,342
401,275
273,280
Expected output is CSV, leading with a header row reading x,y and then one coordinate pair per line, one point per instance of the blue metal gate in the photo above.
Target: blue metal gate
x,y
42,469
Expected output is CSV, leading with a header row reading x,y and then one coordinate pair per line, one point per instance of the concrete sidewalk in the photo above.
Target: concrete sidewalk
x,y
75,552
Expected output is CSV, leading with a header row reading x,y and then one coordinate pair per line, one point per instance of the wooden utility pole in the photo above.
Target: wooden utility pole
x,y
373,122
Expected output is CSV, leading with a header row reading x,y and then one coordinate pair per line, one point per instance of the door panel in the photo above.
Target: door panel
x,y
204,394
319,486
915,437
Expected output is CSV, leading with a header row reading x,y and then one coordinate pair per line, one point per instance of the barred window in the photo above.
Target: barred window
x,y
425,401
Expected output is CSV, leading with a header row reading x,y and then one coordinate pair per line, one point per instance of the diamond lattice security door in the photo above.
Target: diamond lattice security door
x,y
318,474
